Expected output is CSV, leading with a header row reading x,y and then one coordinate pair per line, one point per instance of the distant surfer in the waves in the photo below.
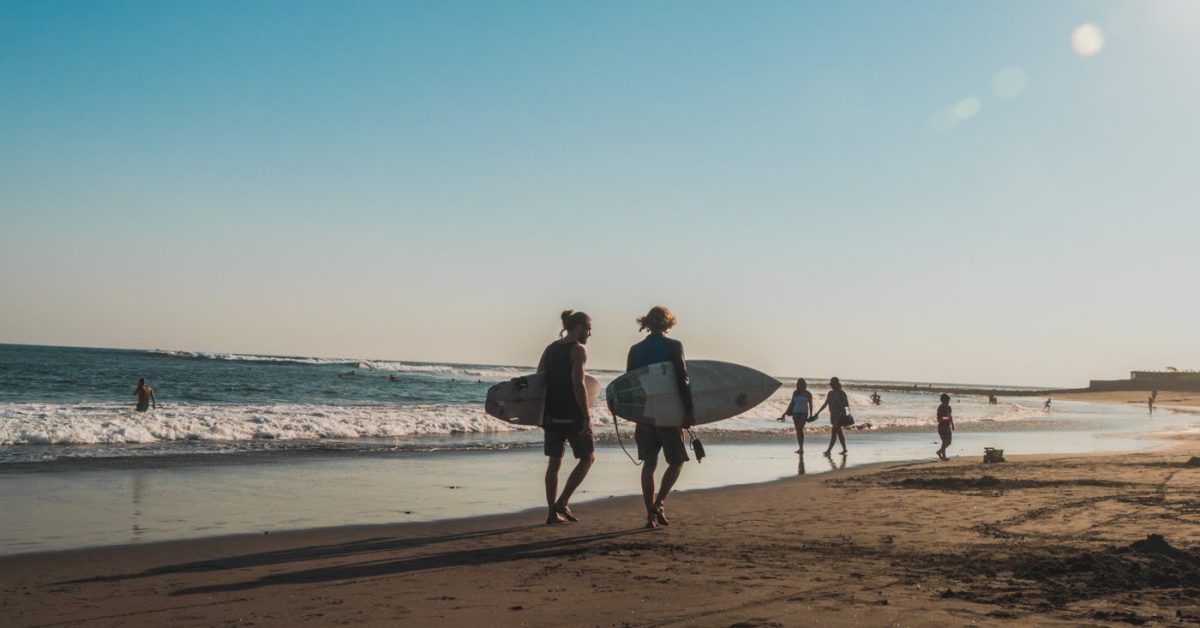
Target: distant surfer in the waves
x,y
945,425
145,396
1046,406
838,404
799,409
876,399
566,418
655,348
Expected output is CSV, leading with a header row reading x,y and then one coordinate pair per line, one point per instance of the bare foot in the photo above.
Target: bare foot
x,y
565,511
660,515
554,518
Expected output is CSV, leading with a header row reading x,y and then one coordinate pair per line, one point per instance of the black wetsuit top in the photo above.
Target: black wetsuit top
x,y
562,411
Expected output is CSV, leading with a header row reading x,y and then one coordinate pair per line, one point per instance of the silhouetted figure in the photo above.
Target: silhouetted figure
x,y
566,417
653,349
839,406
799,408
945,425
145,396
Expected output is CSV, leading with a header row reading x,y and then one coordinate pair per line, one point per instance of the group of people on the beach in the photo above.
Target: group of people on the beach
x,y
567,415
840,417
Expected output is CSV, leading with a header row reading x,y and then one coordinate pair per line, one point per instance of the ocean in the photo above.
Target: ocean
x,y
243,443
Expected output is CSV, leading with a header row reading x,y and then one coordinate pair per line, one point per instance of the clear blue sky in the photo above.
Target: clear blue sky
x,y
908,190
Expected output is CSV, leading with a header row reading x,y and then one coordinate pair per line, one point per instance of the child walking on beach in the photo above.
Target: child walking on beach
x,y
798,409
945,425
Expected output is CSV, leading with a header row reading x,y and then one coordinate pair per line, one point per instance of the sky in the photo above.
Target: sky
x,y
984,192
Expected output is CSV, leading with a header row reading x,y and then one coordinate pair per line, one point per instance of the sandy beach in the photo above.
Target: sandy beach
x,y
1036,540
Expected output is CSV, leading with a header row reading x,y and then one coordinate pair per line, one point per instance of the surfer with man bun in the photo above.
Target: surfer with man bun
x,y
655,348
566,418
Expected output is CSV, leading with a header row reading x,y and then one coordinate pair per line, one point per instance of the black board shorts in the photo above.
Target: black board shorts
x,y
944,430
582,443
668,439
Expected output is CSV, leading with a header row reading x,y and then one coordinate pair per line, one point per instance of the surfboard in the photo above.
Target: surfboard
x,y
720,390
520,401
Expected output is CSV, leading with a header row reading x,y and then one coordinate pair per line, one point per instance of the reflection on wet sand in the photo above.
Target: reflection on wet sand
x,y
139,485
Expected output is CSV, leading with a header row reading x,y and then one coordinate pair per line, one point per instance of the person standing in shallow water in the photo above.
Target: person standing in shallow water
x,y
655,348
145,396
567,418
839,405
945,425
799,407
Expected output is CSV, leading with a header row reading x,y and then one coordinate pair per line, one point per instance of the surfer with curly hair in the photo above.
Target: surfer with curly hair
x,y
566,417
655,348
839,405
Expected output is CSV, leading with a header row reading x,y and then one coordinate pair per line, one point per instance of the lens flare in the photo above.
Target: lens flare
x,y
965,108
1008,83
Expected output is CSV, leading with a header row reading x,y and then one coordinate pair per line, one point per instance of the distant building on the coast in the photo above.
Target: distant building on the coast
x,y
1170,379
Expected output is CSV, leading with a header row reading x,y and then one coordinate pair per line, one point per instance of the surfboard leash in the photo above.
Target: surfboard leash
x,y
620,442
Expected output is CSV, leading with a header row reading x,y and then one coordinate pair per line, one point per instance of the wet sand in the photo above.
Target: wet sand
x,y
1166,398
1038,540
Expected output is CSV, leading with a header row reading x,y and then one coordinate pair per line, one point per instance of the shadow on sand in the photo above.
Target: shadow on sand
x,y
478,556
363,546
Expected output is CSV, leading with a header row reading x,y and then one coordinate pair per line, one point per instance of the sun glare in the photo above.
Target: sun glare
x,y
1087,40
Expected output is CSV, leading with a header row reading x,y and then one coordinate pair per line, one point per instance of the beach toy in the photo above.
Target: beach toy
x,y
991,454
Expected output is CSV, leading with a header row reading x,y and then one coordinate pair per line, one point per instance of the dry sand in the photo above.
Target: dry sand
x,y
1038,540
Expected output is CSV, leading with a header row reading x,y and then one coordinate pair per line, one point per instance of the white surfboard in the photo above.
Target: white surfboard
x,y
720,390
521,400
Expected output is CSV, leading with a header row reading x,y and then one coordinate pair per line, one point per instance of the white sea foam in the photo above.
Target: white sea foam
x,y
246,357
110,423
79,424
477,371
899,411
